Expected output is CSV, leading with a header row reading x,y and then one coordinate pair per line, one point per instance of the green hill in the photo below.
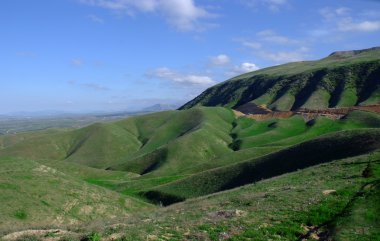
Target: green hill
x,y
324,149
305,204
341,80
232,178
37,195
151,143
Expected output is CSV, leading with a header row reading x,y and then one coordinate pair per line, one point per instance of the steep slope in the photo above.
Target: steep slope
x,y
286,207
343,79
292,206
320,150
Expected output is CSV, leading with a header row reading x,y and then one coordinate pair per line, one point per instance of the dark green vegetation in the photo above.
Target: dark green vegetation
x,y
226,177
341,80
324,149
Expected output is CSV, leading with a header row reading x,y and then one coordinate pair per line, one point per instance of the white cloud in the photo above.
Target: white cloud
x,y
329,14
283,56
268,45
179,78
95,19
347,25
317,33
241,69
220,60
184,15
273,37
342,21
342,11
244,68
252,44
273,5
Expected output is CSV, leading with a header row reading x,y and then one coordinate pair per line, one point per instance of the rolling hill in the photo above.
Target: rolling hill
x,y
223,175
342,79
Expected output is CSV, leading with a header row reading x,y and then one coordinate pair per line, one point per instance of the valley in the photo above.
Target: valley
x,y
290,152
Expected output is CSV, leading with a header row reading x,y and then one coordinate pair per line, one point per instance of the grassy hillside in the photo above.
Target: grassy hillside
x,y
360,218
139,144
288,207
110,173
283,208
343,79
309,153
36,195
166,147
187,138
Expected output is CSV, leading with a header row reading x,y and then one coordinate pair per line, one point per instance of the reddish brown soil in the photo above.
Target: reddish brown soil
x,y
259,113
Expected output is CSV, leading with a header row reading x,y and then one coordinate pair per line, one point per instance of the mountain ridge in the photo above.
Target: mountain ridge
x,y
280,177
330,82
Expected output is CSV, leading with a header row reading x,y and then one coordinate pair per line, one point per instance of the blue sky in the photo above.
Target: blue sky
x,y
110,55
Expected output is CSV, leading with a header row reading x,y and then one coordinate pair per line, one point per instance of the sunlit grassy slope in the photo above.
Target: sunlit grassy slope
x,y
334,199
36,195
238,178
340,80
309,153
165,147
165,142
169,157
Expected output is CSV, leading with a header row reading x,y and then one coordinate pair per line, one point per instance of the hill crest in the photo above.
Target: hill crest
x,y
343,79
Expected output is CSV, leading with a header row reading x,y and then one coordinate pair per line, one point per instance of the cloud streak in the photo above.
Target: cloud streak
x,y
272,5
179,78
95,19
347,25
274,47
184,15
243,68
220,60
343,21
272,37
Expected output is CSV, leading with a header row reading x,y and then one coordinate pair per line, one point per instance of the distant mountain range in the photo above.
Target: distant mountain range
x,y
160,107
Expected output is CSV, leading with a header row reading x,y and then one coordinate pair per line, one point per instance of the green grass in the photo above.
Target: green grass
x,y
112,170
231,178
329,82
319,99
169,146
285,102
279,208
133,144
34,195
319,150
349,97
360,219
270,131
